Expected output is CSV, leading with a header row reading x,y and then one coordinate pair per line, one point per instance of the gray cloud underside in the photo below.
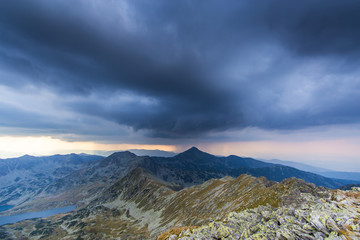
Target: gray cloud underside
x,y
189,67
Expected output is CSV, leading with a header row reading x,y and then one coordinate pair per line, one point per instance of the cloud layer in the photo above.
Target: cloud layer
x,y
170,69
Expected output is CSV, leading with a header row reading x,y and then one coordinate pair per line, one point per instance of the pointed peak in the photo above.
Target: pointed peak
x,y
193,149
194,152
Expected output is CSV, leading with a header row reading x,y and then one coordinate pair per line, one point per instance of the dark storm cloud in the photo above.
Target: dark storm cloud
x,y
317,27
178,54
11,117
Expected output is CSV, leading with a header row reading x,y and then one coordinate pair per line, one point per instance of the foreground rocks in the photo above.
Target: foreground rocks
x,y
335,217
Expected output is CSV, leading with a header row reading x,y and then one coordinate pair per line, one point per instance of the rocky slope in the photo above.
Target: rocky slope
x,y
141,206
25,177
336,217
83,185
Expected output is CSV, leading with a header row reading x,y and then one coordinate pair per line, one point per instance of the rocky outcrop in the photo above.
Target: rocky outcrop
x,y
336,217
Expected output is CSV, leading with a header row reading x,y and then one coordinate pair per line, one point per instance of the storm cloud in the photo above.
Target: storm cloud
x,y
183,69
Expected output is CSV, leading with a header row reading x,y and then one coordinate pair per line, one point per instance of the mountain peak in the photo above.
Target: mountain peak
x,y
118,159
194,153
193,150
123,154
26,157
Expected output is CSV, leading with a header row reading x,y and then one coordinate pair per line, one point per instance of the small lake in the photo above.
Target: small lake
x,y
42,214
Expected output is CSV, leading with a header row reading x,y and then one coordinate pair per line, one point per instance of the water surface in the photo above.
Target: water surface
x,y
42,214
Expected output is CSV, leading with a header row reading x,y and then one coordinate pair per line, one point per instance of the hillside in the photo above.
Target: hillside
x,y
141,206
336,217
25,177
81,186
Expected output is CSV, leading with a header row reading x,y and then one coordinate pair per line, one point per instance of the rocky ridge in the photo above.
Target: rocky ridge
x,y
335,217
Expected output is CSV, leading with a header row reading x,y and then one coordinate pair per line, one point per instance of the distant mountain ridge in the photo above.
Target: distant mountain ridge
x,y
23,178
85,182
29,163
321,171
194,167
300,166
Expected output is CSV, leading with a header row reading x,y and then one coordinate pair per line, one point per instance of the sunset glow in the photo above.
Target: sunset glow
x,y
39,146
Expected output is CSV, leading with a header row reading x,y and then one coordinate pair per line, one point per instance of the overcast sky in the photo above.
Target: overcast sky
x,y
269,79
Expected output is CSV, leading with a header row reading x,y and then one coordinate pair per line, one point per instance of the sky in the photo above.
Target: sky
x,y
266,79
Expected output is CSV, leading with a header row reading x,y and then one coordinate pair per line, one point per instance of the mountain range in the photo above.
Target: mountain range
x,y
23,178
321,171
125,196
33,183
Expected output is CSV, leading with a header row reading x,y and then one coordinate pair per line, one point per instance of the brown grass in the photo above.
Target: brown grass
x,y
174,231
347,233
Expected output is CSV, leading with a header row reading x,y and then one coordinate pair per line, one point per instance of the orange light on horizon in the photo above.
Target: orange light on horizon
x,y
45,145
